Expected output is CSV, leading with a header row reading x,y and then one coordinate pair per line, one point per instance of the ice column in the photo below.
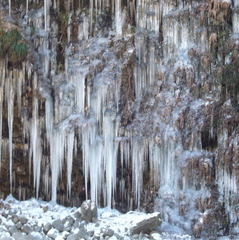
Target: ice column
x,y
92,147
118,17
10,100
2,79
139,151
27,6
56,159
10,7
110,155
36,148
70,151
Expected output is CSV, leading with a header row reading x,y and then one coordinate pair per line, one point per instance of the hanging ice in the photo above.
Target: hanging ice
x,y
36,148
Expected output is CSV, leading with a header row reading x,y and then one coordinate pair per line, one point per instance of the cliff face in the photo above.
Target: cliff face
x,y
129,103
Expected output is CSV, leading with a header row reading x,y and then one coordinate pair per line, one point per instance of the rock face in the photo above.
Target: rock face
x,y
137,100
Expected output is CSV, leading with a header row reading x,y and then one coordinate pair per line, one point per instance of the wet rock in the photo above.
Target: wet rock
x,y
57,224
145,225
89,211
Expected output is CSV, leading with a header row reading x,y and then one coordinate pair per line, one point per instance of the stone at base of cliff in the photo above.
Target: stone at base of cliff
x,y
89,211
146,223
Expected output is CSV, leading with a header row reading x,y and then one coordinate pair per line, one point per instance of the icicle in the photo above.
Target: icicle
x,y
45,14
36,141
92,160
110,156
69,28
27,6
1,111
46,178
118,18
235,22
2,79
155,162
139,148
140,69
70,149
168,165
83,29
49,118
10,7
56,159
80,90
10,96
20,81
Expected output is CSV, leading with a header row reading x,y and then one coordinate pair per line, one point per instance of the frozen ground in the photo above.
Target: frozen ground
x,y
39,220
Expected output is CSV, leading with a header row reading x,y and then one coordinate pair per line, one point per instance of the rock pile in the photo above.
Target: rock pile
x,y
37,220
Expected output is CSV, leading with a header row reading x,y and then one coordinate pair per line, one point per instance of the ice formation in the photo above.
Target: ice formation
x,y
81,120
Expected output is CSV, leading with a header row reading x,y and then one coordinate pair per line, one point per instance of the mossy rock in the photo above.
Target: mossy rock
x,y
12,46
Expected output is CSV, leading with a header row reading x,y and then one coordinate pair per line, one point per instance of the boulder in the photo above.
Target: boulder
x,y
77,213
26,229
47,227
68,223
107,232
36,236
18,225
53,233
15,218
89,211
57,224
23,220
12,229
73,236
20,236
145,224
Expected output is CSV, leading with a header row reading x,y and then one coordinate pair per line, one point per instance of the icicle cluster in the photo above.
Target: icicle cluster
x,y
75,113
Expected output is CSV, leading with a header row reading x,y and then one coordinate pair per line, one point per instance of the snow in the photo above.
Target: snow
x,y
34,211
